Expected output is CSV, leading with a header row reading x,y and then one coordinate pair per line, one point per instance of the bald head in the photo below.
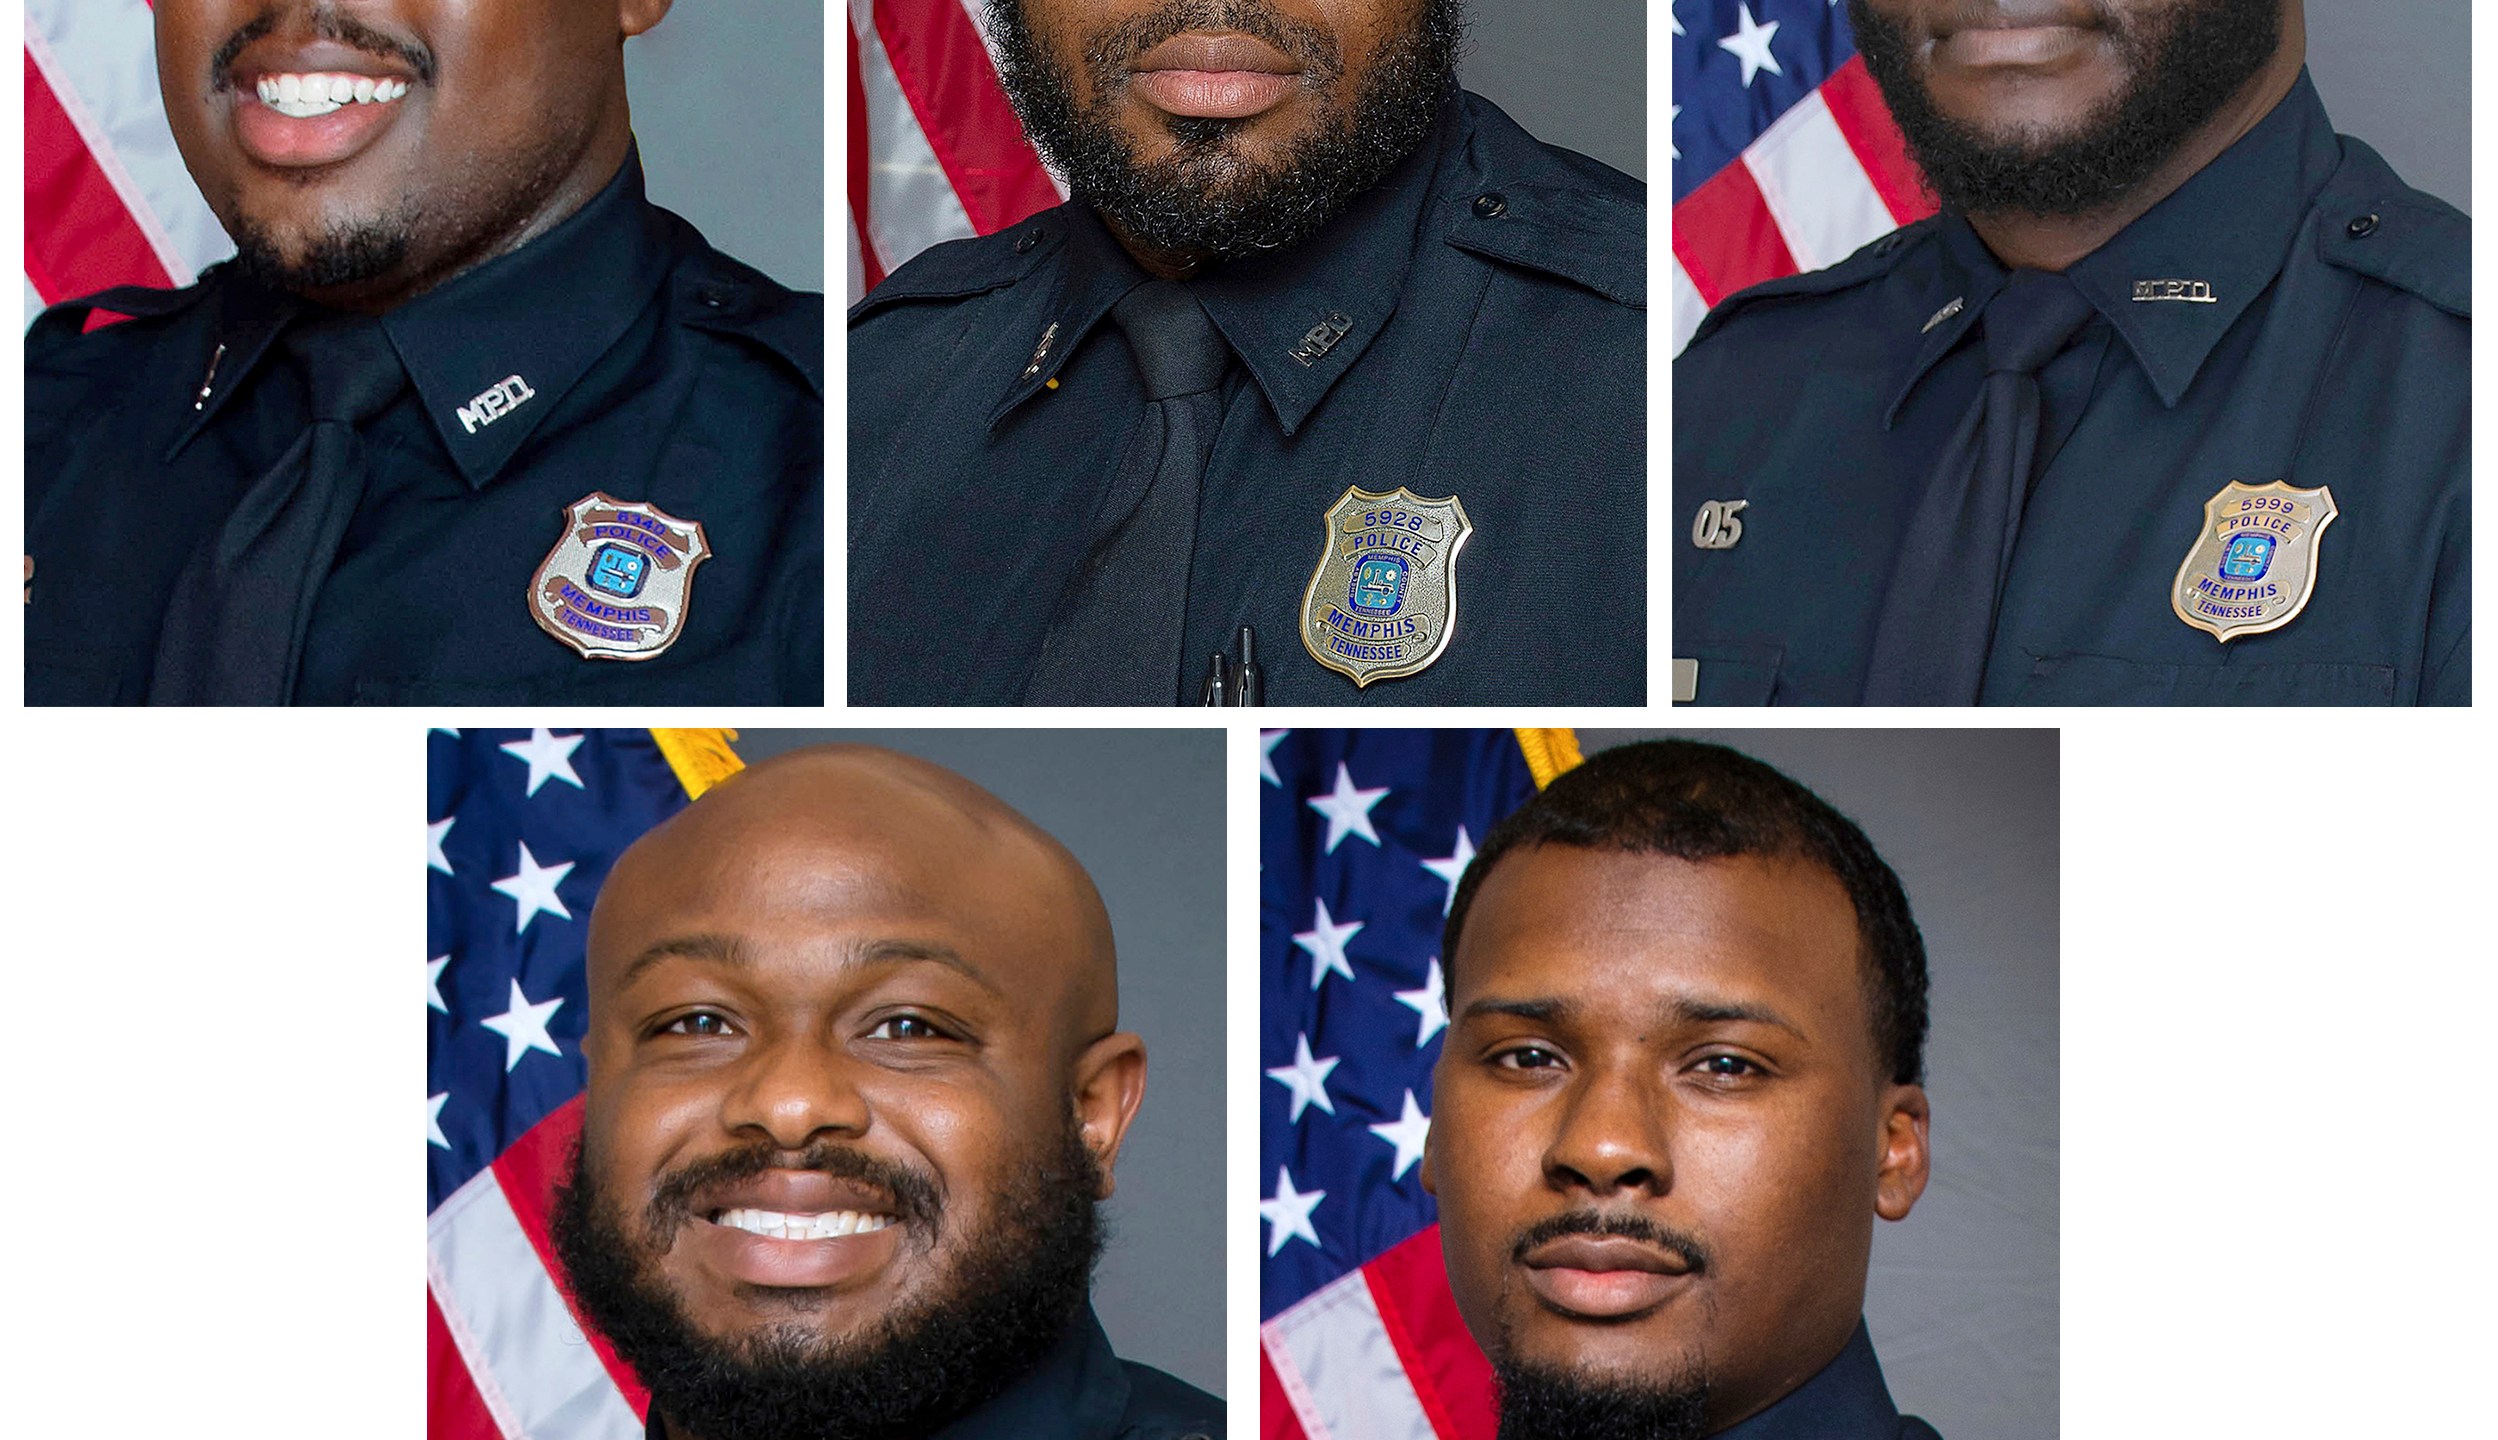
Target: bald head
x,y
840,829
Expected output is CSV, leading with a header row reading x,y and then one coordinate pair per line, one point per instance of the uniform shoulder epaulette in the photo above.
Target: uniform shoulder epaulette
x,y
64,324
1548,209
1871,261
2377,226
717,292
957,268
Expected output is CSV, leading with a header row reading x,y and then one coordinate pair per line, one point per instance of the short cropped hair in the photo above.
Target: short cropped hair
x,y
1695,801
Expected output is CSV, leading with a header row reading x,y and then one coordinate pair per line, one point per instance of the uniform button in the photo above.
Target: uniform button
x,y
714,299
1491,206
1028,239
2363,227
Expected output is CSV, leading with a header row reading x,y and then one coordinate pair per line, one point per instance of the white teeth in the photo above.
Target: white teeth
x,y
828,1226
303,97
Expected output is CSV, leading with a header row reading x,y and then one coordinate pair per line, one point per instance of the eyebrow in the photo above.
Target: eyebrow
x,y
725,950
1686,1010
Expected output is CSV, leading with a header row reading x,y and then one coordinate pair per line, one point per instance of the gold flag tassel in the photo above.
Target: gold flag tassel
x,y
701,758
1549,752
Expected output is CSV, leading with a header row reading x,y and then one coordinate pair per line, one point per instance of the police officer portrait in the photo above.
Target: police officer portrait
x,y
2160,396
1726,1105
403,389
1325,386
811,1094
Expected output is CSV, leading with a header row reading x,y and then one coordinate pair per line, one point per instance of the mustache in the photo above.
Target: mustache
x,y
328,23
1108,51
1629,1227
915,1199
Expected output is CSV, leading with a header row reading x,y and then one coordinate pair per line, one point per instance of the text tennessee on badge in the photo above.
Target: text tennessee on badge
x,y
616,586
2254,565
1383,601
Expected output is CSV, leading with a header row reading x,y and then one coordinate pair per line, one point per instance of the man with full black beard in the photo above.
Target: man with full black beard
x,y
1322,347
856,1088
467,419
2080,437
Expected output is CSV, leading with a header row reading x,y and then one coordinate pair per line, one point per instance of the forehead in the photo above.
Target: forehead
x,y
1621,926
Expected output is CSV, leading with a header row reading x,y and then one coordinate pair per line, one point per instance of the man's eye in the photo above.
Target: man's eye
x,y
907,1027
701,1022
1527,1057
1728,1067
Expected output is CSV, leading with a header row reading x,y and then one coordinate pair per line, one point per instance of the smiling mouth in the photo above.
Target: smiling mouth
x,y
306,97
776,1225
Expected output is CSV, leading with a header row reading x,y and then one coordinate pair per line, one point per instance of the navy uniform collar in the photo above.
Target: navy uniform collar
x,y
2197,259
1077,1392
1297,320
502,342
1846,1400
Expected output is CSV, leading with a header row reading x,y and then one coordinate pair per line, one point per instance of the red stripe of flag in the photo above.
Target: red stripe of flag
x,y
1865,122
80,237
1409,1284
453,1408
944,73
1275,1418
871,264
529,1171
1725,237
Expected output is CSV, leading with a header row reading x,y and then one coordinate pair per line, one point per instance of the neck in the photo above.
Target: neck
x,y
2056,242
1161,264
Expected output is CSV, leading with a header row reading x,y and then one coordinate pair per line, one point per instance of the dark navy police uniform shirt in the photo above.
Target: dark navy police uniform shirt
x,y
658,371
1472,327
1080,1391
1846,1400
2305,320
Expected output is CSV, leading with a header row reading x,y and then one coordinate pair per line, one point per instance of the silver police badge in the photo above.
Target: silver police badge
x,y
1383,601
616,586
2254,565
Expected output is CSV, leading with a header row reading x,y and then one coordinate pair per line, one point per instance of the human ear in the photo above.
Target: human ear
x,y
1109,1085
636,16
1902,1176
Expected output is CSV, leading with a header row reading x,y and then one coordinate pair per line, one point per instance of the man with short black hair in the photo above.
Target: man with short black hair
x,y
856,1090
2169,405
466,419
1325,388
1683,1075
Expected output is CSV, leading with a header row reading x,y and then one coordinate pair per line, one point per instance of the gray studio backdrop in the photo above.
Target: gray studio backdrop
x,y
1962,1299
1570,73
1143,811
728,103
2398,74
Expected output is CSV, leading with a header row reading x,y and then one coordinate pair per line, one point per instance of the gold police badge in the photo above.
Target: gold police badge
x,y
1383,601
615,587
2254,565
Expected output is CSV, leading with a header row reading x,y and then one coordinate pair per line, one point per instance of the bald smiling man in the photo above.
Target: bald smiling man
x,y
856,1089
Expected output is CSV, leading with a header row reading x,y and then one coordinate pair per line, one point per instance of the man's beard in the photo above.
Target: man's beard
x,y
342,255
1206,199
1553,1402
2178,79
1541,1402
1007,1298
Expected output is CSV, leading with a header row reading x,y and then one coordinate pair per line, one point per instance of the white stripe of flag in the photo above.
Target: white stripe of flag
x,y
1334,1359
1817,191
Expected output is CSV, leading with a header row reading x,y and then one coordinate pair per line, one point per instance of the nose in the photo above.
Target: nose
x,y
1614,1134
793,1089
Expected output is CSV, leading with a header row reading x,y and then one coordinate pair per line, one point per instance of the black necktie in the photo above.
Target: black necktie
x,y
234,630
1117,637
1938,617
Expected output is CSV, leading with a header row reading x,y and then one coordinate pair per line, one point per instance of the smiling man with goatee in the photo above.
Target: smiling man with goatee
x,y
1683,1076
2170,404
856,1090
1325,387
466,419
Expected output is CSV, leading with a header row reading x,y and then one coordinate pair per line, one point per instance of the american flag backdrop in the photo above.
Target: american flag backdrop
x,y
935,151
1784,157
1362,837
107,200
521,828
